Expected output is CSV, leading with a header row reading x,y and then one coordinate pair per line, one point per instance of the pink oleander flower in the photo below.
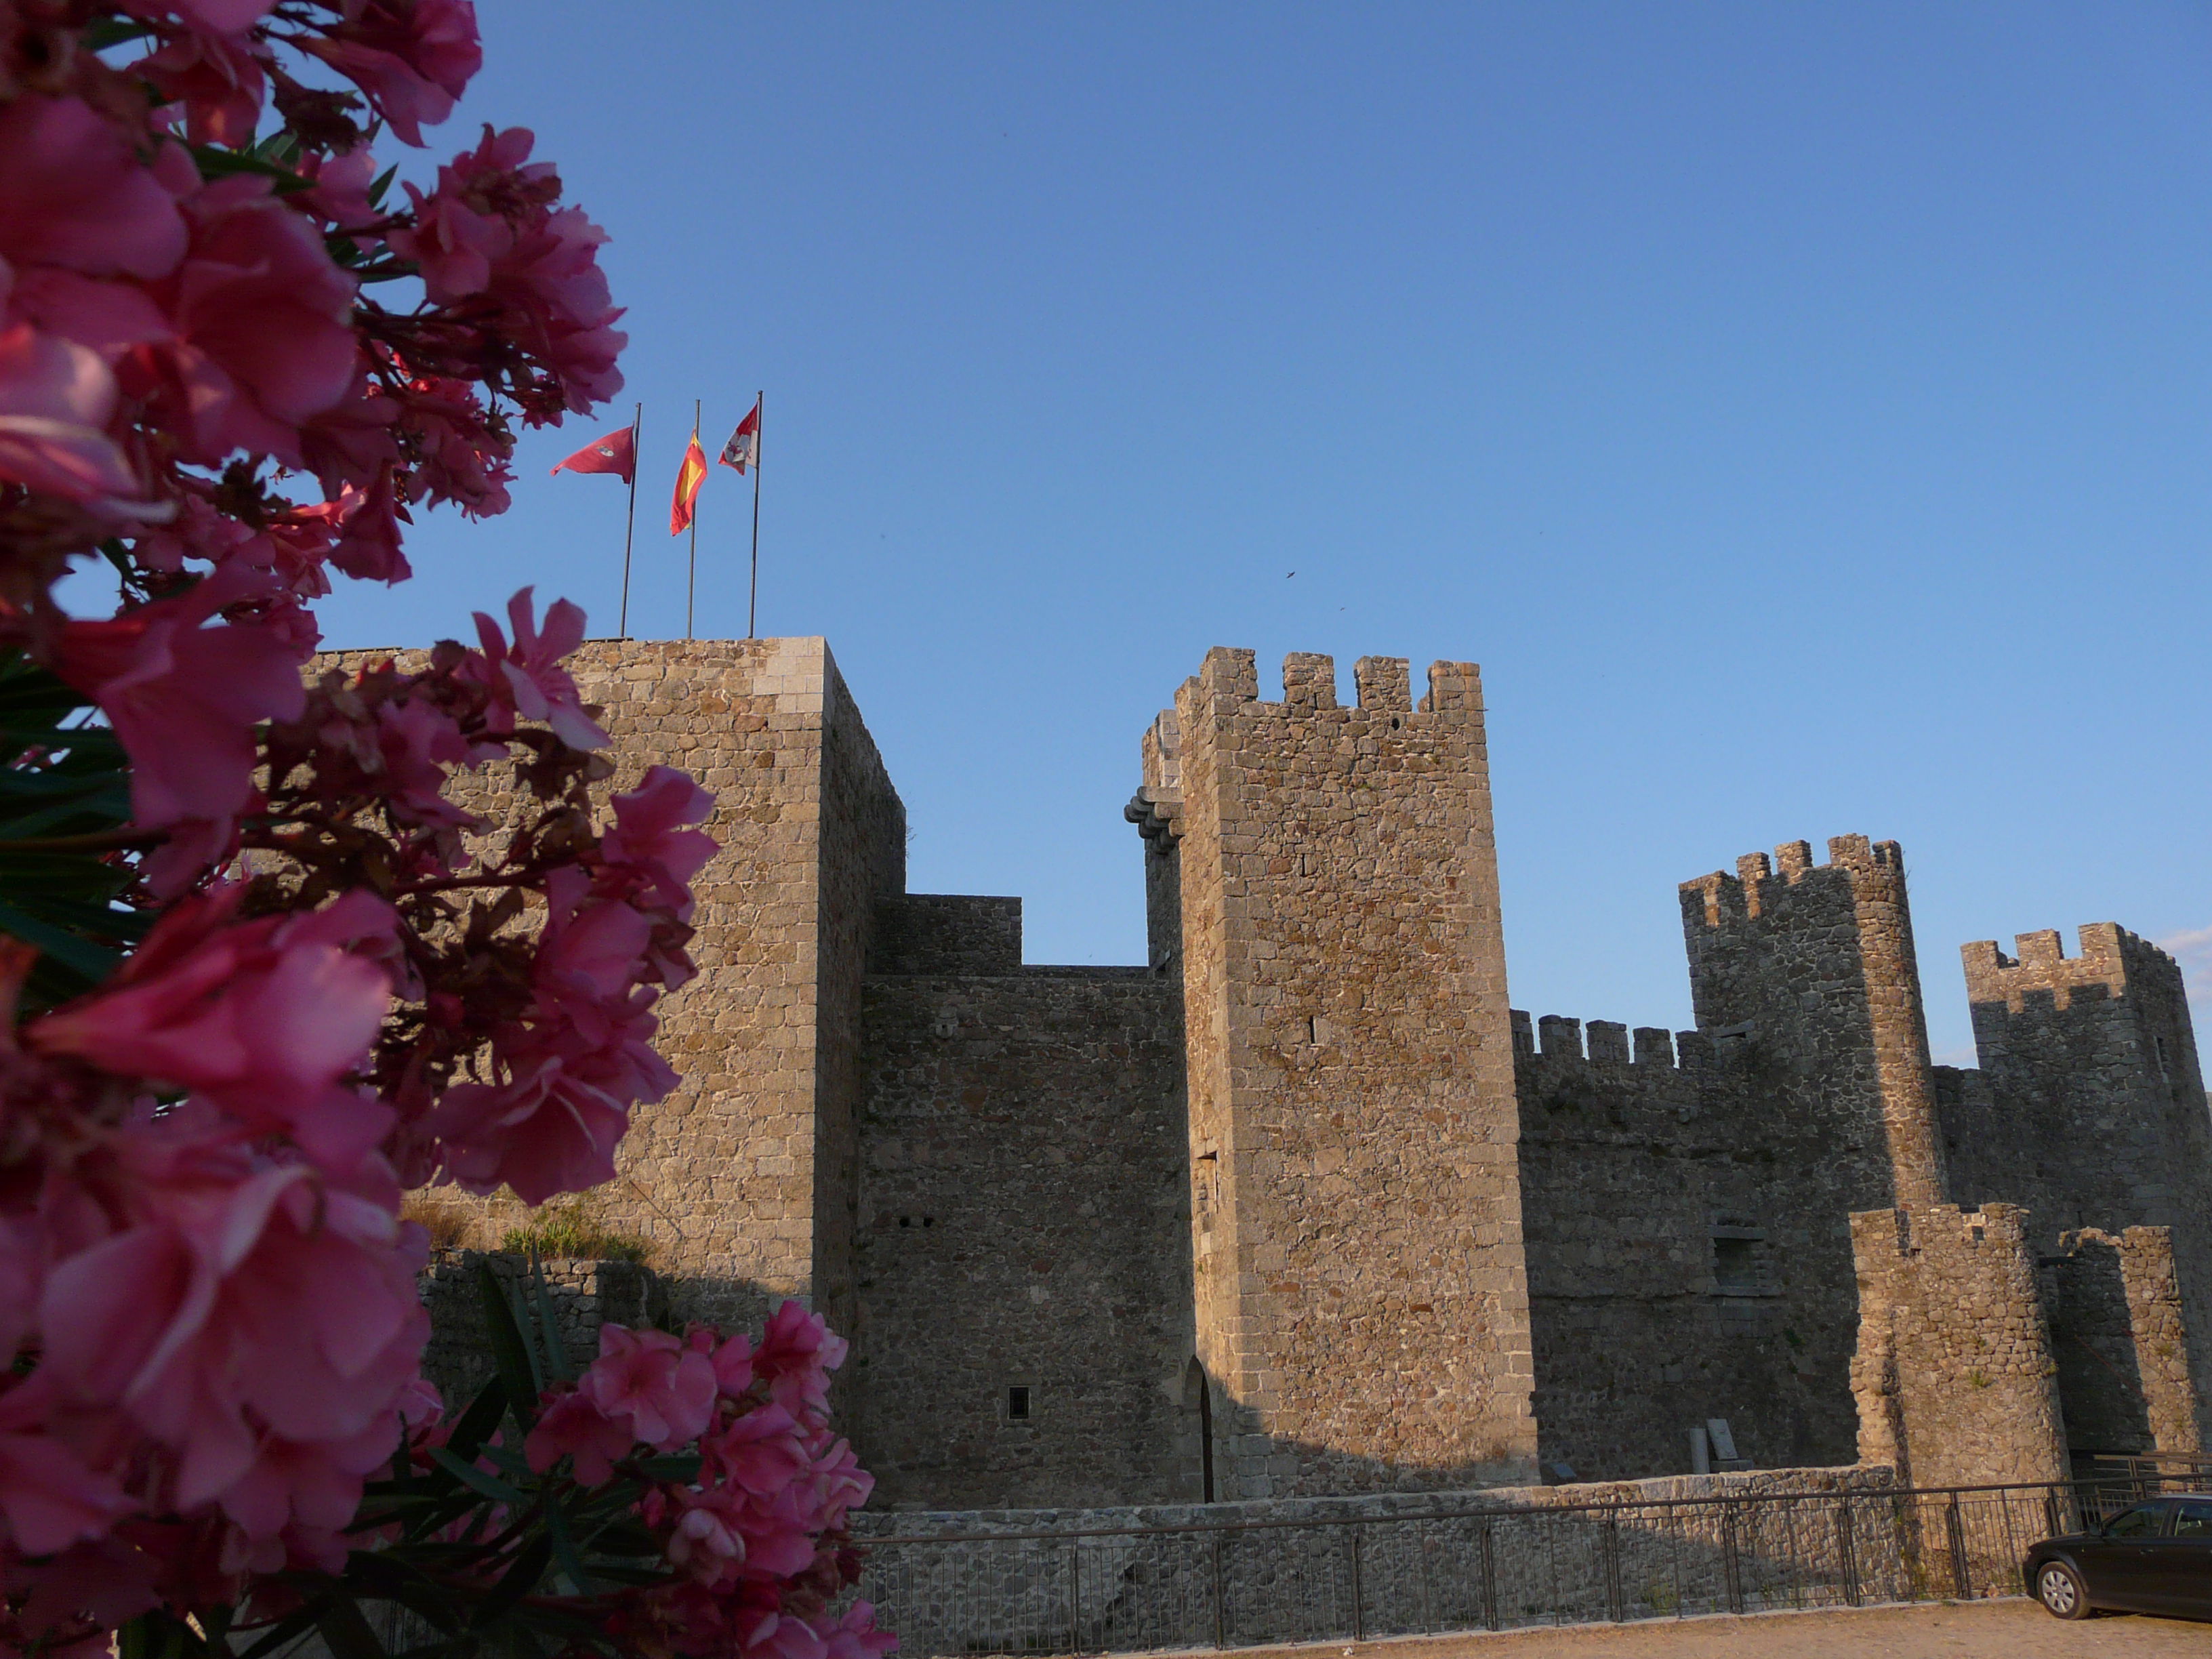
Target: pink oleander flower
x,y
262,1019
458,458
366,523
705,1540
797,1353
258,1320
732,1360
572,1427
411,57
416,744
543,1133
348,446
530,681
339,193
49,1497
854,1635
216,77
840,1483
649,834
649,1380
264,322
74,194
56,399
759,1453
185,699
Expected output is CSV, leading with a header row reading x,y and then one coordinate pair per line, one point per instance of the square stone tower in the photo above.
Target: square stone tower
x,y
1361,1298
743,1180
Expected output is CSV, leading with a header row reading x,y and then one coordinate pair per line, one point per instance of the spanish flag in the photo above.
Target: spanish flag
x,y
688,480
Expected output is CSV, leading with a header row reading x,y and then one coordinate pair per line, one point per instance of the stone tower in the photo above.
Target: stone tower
x,y
1808,971
2090,1108
1360,1294
743,1180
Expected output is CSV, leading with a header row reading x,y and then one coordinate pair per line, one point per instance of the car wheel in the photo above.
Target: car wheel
x,y
2060,1590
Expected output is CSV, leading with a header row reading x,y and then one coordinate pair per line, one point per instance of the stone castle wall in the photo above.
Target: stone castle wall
x,y
1955,1377
2120,1338
1351,1092
1023,1224
1294,1208
2089,1108
1679,1258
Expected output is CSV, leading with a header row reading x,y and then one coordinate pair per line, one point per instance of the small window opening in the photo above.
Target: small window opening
x,y
2163,1073
1313,1030
1017,1404
929,1221
1393,722
1735,1267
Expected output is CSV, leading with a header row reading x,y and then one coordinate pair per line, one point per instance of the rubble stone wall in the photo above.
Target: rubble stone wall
x,y
2119,1338
2089,1108
1024,1223
1953,1375
1680,1264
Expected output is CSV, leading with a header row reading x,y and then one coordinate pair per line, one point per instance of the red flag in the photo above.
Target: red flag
x,y
744,448
689,477
616,452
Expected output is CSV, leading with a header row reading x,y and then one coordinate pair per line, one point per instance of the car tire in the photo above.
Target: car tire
x,y
2062,1592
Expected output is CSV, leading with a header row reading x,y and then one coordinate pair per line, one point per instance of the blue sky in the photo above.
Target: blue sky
x,y
1800,412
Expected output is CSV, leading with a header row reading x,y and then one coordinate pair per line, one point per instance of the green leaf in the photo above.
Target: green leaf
x,y
215,163
95,963
517,1366
470,1476
478,1422
548,1323
518,1581
564,1552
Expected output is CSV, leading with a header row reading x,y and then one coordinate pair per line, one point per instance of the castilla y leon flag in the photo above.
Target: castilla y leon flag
x,y
744,448
616,452
688,480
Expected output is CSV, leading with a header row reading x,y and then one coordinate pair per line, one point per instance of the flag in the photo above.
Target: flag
x,y
616,452
688,480
744,448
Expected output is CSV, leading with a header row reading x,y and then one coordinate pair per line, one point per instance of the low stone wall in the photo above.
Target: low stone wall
x,y
585,1294
1302,1570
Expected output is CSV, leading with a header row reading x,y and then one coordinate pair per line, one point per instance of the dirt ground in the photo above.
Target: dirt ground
x,y
1999,1630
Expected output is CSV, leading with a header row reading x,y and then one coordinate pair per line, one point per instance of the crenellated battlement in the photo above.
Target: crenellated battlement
x,y
1745,894
1383,686
2111,958
1554,1037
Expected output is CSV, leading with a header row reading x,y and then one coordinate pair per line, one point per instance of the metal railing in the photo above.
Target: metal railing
x,y
1249,1583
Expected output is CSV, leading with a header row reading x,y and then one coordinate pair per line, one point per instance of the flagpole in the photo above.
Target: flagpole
x,y
629,530
760,447
691,583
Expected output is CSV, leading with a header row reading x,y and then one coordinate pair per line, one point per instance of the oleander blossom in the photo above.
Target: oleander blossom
x,y
267,963
769,1500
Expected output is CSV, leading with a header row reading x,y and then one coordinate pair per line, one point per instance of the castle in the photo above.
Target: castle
x,y
1300,1206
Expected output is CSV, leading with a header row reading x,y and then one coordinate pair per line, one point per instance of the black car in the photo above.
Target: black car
x,y
2153,1558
